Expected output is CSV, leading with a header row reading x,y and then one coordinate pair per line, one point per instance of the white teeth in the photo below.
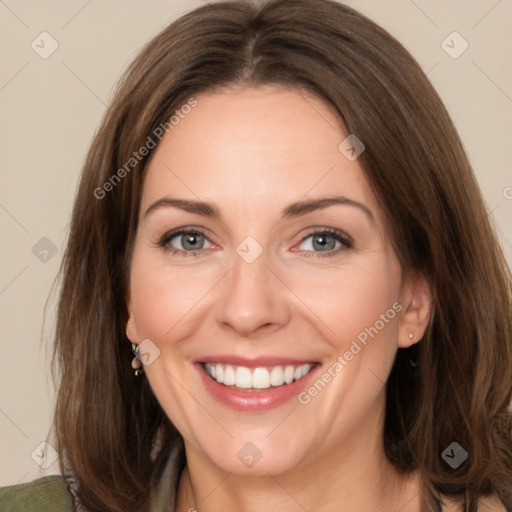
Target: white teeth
x,y
229,376
306,368
277,376
243,378
288,374
261,378
219,373
257,378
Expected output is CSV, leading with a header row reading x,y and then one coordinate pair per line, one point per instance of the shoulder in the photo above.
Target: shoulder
x,y
47,494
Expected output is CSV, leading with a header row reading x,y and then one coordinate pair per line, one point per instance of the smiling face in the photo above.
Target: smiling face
x,y
286,265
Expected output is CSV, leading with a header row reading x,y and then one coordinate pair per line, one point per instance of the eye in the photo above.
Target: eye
x,y
325,242
319,243
184,241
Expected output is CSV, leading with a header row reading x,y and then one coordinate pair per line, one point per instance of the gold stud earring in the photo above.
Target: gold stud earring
x,y
411,335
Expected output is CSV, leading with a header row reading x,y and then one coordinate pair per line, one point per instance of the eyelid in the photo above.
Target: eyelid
x,y
336,233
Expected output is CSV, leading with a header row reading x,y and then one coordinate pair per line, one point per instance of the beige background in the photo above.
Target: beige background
x,y
51,107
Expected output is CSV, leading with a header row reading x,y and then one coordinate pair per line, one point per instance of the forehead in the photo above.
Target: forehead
x,y
251,145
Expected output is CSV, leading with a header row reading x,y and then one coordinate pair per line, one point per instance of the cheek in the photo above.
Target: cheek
x,y
355,302
359,309
164,297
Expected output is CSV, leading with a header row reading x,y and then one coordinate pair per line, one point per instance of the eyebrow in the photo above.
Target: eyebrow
x,y
293,210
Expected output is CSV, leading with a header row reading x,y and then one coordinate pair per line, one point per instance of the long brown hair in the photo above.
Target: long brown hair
x,y
107,421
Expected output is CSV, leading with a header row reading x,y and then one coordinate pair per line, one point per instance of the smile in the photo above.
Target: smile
x,y
242,377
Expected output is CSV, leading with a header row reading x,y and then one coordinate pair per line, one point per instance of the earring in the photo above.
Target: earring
x,y
136,362
413,360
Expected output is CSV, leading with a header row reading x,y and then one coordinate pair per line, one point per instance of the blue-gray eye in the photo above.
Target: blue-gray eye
x,y
184,241
322,242
325,242
190,241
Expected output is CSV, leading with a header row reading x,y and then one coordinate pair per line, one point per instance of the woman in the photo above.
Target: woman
x,y
277,216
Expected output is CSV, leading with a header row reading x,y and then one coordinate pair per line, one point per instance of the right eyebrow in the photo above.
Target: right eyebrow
x,y
197,207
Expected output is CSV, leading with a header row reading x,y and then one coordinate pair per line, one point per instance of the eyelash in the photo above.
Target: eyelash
x,y
339,236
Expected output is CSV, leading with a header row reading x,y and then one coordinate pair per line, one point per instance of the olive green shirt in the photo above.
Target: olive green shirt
x,y
47,494
52,493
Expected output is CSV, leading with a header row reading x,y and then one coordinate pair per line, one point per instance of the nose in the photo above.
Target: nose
x,y
252,299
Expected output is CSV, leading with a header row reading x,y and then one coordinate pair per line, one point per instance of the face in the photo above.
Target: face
x,y
262,253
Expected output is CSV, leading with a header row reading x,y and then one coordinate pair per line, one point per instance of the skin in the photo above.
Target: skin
x,y
252,152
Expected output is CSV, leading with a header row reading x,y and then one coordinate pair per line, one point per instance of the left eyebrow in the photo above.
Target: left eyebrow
x,y
303,207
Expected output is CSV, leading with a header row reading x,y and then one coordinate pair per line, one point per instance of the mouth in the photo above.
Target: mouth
x,y
259,378
257,386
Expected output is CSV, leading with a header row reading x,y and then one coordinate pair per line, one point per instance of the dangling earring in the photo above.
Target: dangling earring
x,y
413,360
136,362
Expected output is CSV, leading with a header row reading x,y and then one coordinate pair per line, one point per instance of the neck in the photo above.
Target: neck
x,y
354,476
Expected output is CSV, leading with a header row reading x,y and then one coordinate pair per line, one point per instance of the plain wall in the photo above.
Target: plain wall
x,y
52,106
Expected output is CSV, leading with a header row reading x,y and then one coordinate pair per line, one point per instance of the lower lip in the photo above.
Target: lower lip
x,y
252,399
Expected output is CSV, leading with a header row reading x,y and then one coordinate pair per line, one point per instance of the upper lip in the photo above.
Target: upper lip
x,y
254,362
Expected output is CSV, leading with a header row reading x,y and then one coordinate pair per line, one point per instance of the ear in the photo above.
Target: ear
x,y
131,327
416,301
